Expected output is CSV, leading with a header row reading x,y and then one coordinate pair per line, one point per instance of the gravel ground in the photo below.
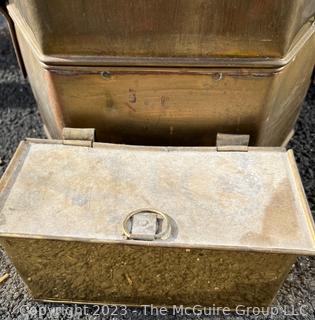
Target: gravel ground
x,y
19,119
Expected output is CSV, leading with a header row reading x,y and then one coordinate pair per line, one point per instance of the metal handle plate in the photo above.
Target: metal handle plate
x,y
148,226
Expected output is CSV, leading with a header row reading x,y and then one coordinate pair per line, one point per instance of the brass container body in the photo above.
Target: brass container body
x,y
164,28
173,106
65,271
235,222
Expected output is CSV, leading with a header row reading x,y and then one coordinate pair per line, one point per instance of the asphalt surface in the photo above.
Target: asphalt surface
x,y
19,119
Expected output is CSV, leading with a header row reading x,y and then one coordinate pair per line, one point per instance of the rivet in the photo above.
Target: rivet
x,y
217,76
144,222
106,75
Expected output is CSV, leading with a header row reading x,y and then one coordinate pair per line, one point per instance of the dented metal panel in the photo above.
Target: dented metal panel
x,y
242,213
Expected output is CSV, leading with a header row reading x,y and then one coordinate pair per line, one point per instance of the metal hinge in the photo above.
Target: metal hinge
x,y
78,137
232,142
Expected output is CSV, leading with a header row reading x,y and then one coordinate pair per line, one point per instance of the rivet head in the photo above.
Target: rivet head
x,y
144,222
106,75
217,76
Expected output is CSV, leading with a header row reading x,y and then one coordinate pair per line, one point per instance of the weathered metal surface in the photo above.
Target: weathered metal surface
x,y
172,106
165,28
65,271
237,222
91,191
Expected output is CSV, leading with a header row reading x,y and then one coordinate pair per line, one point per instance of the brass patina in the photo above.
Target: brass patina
x,y
231,66
166,105
228,224
163,28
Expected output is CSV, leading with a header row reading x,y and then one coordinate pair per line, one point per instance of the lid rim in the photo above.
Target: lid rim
x,y
138,61
163,244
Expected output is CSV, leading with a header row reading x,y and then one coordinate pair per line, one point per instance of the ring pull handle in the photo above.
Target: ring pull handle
x,y
146,224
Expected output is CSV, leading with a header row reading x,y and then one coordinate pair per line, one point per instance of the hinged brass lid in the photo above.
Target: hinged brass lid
x,y
229,200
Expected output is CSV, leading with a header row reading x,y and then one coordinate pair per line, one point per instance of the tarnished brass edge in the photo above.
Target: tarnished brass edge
x,y
10,174
162,244
76,60
176,148
43,141
155,148
288,138
283,278
297,183
19,155
48,135
234,71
